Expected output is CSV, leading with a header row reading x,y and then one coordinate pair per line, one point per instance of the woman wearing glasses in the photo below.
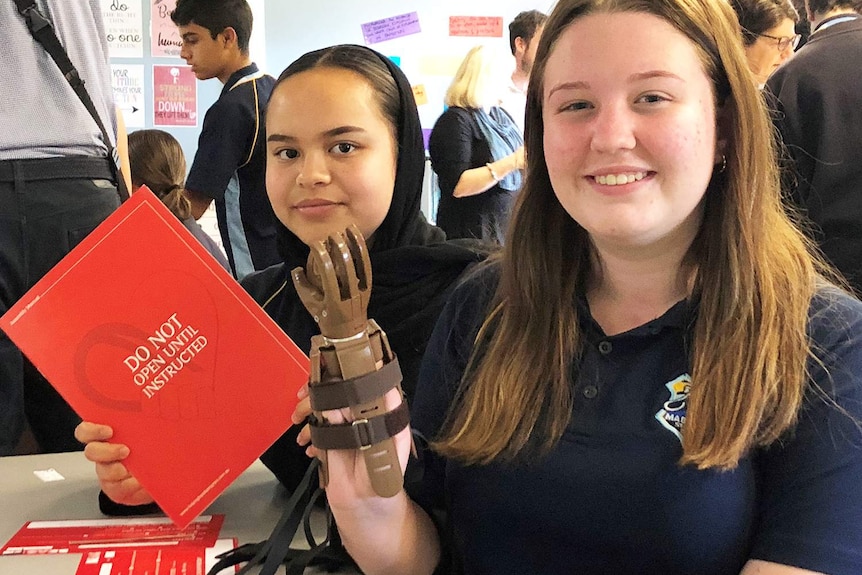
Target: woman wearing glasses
x,y
768,34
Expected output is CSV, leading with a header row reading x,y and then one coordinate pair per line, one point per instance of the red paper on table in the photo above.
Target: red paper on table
x,y
139,328
167,560
78,536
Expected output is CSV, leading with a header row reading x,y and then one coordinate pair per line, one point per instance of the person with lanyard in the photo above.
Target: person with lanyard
x,y
58,181
818,98
659,375
477,152
344,145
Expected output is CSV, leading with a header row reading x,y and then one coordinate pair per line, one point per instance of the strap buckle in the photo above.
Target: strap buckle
x,y
364,433
74,78
35,20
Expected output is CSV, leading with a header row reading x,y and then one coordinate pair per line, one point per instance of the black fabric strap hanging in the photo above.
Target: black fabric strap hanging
x,y
275,551
43,33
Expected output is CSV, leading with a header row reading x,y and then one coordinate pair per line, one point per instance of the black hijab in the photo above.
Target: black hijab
x,y
413,266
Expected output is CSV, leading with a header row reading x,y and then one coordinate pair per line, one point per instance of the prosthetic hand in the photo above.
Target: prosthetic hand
x,y
352,365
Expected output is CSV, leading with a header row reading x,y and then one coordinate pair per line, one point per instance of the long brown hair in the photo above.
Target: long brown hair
x,y
754,279
157,161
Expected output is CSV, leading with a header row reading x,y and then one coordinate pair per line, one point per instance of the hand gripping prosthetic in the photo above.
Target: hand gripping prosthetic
x,y
352,365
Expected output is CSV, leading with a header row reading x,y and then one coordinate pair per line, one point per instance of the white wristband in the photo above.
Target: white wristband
x,y
493,173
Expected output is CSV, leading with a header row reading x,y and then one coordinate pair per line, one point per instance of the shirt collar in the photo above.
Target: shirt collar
x,y
239,75
832,20
680,316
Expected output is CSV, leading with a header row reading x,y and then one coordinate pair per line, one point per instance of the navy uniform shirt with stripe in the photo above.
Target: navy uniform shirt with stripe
x,y
230,167
611,497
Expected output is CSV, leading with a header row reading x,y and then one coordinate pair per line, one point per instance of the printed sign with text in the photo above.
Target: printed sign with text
x,y
127,82
166,41
124,28
175,96
485,26
390,28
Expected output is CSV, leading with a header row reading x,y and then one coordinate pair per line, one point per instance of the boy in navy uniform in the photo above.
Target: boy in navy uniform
x,y
229,164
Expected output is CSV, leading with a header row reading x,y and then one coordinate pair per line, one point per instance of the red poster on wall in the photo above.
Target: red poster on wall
x,y
175,96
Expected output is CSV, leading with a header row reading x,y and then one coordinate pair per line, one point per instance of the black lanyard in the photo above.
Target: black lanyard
x,y
43,33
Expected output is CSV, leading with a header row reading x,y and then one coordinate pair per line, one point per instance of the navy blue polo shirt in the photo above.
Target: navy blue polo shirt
x,y
611,497
230,167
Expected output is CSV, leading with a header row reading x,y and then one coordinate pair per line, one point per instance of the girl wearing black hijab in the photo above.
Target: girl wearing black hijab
x,y
344,145
325,173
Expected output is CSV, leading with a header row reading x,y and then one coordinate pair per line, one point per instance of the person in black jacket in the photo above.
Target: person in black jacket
x,y
818,97
344,145
477,152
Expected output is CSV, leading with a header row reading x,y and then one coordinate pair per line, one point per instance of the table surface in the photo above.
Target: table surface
x,y
252,505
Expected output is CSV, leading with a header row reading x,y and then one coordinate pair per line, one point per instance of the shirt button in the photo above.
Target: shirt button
x,y
591,391
605,347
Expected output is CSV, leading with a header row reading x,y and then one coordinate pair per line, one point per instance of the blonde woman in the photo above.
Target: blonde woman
x,y
477,152
655,378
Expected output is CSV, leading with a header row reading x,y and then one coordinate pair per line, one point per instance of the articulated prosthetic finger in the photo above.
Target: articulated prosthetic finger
x,y
352,365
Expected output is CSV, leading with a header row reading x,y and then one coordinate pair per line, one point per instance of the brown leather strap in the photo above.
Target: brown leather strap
x,y
340,393
362,433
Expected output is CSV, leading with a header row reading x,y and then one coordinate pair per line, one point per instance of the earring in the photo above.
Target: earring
x,y
723,164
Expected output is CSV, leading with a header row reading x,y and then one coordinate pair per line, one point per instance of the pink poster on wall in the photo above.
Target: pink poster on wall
x,y
165,41
175,96
489,26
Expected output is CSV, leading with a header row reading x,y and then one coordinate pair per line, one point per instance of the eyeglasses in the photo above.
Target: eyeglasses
x,y
783,43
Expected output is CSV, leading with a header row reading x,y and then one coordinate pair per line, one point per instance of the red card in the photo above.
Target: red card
x,y
176,560
141,329
78,536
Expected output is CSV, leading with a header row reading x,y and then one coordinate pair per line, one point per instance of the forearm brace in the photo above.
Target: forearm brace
x,y
352,364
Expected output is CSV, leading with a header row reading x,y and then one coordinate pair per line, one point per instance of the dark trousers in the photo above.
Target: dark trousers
x,y
46,208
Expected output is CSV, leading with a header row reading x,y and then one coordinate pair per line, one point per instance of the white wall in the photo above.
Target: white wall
x,y
257,47
429,58
286,29
297,26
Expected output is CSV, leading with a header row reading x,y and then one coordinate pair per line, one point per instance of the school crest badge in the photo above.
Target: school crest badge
x,y
672,413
